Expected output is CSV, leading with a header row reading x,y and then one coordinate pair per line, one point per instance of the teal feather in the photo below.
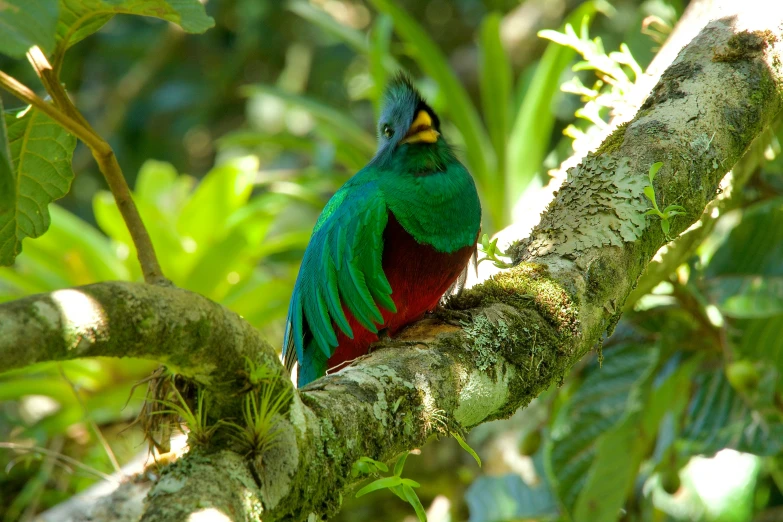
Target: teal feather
x,y
431,195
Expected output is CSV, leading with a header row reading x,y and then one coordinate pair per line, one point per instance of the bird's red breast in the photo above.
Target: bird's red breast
x,y
419,276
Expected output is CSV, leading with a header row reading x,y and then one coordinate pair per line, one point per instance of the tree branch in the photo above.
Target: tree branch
x,y
529,325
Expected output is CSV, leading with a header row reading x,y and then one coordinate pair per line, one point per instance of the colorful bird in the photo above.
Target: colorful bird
x,y
388,244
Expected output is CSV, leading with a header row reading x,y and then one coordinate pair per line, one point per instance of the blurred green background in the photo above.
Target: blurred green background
x,y
234,140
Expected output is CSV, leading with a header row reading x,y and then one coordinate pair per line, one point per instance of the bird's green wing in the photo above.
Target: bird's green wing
x,y
341,266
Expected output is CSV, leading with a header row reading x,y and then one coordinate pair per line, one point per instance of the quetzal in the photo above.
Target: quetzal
x,y
388,244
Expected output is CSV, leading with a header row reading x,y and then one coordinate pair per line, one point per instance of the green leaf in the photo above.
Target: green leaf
x,y
650,193
41,152
25,23
429,57
466,447
612,477
665,226
325,21
495,82
413,500
400,464
7,191
223,191
604,400
383,483
377,464
81,18
532,128
762,340
654,168
718,417
754,246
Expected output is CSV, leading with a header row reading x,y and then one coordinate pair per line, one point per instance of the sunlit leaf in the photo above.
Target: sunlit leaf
x,y
41,152
25,23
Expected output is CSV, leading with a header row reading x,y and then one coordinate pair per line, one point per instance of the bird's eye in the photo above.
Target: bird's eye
x,y
388,132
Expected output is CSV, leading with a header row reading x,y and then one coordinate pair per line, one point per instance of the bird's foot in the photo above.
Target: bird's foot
x,y
452,317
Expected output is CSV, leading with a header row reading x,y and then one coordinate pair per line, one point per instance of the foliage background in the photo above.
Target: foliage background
x,y
235,139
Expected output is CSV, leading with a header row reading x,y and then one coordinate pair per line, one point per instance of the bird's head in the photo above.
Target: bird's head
x,y
406,119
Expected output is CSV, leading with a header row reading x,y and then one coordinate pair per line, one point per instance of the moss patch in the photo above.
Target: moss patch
x,y
745,45
614,141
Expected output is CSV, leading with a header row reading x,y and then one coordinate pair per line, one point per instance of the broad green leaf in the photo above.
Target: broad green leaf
x,y
25,23
81,18
754,246
532,128
495,82
615,464
762,339
718,417
222,191
41,152
463,113
508,498
603,401
387,482
7,191
73,250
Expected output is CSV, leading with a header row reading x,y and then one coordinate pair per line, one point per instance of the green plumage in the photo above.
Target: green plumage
x,y
429,193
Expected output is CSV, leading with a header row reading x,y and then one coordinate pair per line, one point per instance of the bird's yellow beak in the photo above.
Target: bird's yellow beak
x,y
421,130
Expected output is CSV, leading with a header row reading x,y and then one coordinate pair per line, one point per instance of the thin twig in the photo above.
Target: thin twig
x,y
60,457
71,119
109,452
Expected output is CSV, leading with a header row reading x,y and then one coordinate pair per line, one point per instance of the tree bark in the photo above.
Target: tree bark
x,y
524,330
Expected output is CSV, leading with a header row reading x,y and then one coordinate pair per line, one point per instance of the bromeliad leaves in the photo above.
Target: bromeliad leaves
x,y
36,171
